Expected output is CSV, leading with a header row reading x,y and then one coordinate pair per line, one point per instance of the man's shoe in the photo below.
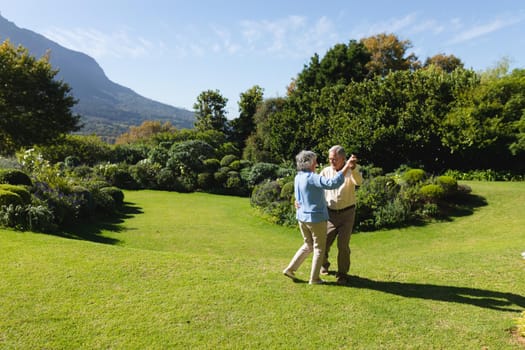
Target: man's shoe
x,y
342,280
319,281
324,271
289,274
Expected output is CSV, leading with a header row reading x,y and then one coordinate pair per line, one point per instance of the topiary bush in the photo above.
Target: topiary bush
x,y
287,191
20,190
211,165
448,183
262,171
414,176
228,159
115,193
10,198
432,192
14,177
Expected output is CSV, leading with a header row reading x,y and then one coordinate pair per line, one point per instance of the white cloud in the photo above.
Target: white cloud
x,y
289,36
484,29
97,44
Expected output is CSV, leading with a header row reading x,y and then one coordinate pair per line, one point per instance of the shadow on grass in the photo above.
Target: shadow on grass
x,y
472,296
463,205
93,230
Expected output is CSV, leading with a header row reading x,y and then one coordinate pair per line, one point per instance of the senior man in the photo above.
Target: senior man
x,y
341,210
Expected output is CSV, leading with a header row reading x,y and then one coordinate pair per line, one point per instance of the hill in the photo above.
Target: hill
x,y
107,108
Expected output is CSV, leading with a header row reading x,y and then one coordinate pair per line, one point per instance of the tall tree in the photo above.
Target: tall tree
x,y
244,125
34,107
446,62
210,111
340,65
145,131
389,54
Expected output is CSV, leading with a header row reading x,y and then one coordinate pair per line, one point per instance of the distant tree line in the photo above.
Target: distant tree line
x,y
371,96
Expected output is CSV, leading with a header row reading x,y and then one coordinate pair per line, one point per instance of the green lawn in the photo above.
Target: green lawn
x,y
199,271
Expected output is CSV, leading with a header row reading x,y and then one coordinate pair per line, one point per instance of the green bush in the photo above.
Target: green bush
x,y
432,192
413,176
211,165
265,193
287,191
14,177
72,161
165,180
84,199
20,190
34,218
185,183
221,175
392,214
104,202
83,172
10,198
236,165
448,183
228,159
261,172
205,181
115,193
144,174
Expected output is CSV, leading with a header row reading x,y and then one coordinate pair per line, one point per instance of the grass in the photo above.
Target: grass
x,y
203,271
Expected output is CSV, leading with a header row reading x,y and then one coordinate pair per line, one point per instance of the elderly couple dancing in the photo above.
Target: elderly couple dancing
x,y
325,205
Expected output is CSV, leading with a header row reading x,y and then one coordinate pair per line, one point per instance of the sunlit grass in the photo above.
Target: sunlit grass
x,y
203,271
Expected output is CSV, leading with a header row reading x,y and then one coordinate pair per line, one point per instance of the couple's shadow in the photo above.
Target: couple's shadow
x,y
463,295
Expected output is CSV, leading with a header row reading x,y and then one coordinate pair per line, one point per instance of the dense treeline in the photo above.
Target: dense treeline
x,y
370,96
436,116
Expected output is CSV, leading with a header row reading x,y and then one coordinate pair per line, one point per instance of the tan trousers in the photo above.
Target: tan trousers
x,y
314,235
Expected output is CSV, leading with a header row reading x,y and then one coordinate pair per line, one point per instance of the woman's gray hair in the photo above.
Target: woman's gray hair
x,y
305,159
339,150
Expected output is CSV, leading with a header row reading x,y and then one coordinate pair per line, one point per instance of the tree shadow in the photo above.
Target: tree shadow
x,y
472,296
92,229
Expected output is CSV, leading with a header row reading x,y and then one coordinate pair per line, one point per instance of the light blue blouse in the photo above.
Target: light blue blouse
x,y
309,193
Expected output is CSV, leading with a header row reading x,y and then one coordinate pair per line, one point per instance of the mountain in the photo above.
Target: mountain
x,y
107,109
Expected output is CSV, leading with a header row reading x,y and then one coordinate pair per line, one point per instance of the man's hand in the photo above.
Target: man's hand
x,y
352,161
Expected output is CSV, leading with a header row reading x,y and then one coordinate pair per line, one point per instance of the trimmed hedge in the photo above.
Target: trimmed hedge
x,y
14,177
20,190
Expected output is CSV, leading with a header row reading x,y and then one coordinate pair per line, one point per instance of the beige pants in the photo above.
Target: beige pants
x,y
314,235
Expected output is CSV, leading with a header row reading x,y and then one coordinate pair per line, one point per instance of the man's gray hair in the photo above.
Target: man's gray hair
x,y
304,160
339,150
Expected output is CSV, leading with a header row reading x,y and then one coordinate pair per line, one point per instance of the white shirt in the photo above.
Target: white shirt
x,y
344,196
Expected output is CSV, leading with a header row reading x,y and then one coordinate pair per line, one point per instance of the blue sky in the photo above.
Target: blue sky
x,y
171,50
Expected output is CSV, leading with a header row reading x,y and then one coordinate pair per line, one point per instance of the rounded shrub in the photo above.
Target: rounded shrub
x,y
166,180
14,177
265,193
104,202
205,181
114,192
414,176
10,198
212,165
72,161
221,175
20,190
448,183
287,191
235,165
432,192
228,159
262,171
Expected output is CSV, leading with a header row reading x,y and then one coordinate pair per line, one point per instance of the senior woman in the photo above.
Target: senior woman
x,y
312,212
